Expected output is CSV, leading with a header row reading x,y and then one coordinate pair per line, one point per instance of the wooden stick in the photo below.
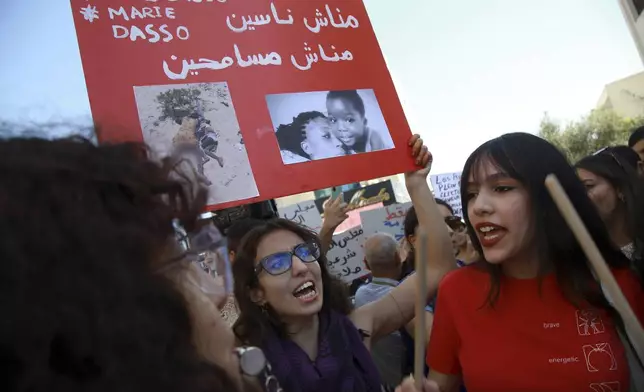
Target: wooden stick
x,y
420,330
598,264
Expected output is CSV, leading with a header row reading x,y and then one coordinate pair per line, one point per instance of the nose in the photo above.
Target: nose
x,y
481,205
298,268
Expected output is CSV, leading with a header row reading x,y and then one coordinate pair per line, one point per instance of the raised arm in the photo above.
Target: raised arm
x,y
335,212
396,309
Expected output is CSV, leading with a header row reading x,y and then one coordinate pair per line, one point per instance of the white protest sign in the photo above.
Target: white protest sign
x,y
304,213
448,187
346,255
389,219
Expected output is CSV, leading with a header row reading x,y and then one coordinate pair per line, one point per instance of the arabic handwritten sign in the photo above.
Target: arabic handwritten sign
x,y
304,213
389,219
448,187
346,255
258,48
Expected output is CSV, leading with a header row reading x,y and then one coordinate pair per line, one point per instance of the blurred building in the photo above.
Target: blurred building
x,y
625,96
632,10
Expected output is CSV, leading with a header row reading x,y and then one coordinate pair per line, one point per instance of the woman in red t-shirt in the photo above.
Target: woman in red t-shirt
x,y
530,316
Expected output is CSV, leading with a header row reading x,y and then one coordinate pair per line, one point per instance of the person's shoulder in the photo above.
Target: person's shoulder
x,y
375,140
463,278
361,294
362,289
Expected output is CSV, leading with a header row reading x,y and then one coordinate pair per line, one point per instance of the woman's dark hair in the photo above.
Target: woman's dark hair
x,y
238,230
636,136
254,322
529,159
291,136
625,154
409,229
625,180
83,227
410,224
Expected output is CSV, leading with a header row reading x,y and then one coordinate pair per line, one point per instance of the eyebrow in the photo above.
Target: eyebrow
x,y
491,178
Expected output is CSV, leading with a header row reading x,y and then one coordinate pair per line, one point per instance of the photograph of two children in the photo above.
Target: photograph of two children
x,y
197,124
319,125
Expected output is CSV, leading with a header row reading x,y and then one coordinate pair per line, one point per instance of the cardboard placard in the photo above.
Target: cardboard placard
x,y
389,219
346,255
264,99
448,188
303,213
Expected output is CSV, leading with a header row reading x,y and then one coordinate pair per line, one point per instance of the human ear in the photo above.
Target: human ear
x,y
305,146
257,296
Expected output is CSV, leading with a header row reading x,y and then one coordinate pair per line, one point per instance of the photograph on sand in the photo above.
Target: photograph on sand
x,y
318,125
198,123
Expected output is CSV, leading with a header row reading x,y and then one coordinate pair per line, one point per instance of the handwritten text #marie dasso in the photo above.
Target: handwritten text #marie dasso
x,y
132,25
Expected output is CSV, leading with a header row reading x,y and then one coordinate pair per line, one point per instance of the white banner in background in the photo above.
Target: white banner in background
x,y
346,255
448,187
304,213
389,219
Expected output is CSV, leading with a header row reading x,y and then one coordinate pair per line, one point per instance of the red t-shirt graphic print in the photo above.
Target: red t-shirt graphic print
x,y
532,340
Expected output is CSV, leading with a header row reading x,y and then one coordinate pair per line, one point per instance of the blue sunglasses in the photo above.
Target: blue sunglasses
x,y
279,263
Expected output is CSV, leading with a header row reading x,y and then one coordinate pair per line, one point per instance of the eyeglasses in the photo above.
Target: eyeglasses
x,y
208,250
607,151
279,263
455,223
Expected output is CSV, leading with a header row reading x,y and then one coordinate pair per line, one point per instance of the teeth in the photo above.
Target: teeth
x,y
308,295
304,286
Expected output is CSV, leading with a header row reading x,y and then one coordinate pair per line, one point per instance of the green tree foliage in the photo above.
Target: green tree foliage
x,y
178,102
601,128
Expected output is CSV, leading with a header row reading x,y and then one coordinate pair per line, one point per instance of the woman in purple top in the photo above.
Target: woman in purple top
x,y
300,315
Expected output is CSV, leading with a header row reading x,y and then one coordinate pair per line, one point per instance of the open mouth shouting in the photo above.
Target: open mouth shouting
x,y
490,234
306,292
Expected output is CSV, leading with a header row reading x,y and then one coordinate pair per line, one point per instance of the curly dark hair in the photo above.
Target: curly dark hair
x,y
253,324
82,227
290,136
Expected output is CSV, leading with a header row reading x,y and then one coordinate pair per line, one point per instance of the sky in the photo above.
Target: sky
x,y
465,71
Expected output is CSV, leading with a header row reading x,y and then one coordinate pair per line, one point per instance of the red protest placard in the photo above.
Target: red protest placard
x,y
265,99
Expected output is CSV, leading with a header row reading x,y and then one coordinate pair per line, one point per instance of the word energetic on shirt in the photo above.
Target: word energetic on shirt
x,y
566,360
